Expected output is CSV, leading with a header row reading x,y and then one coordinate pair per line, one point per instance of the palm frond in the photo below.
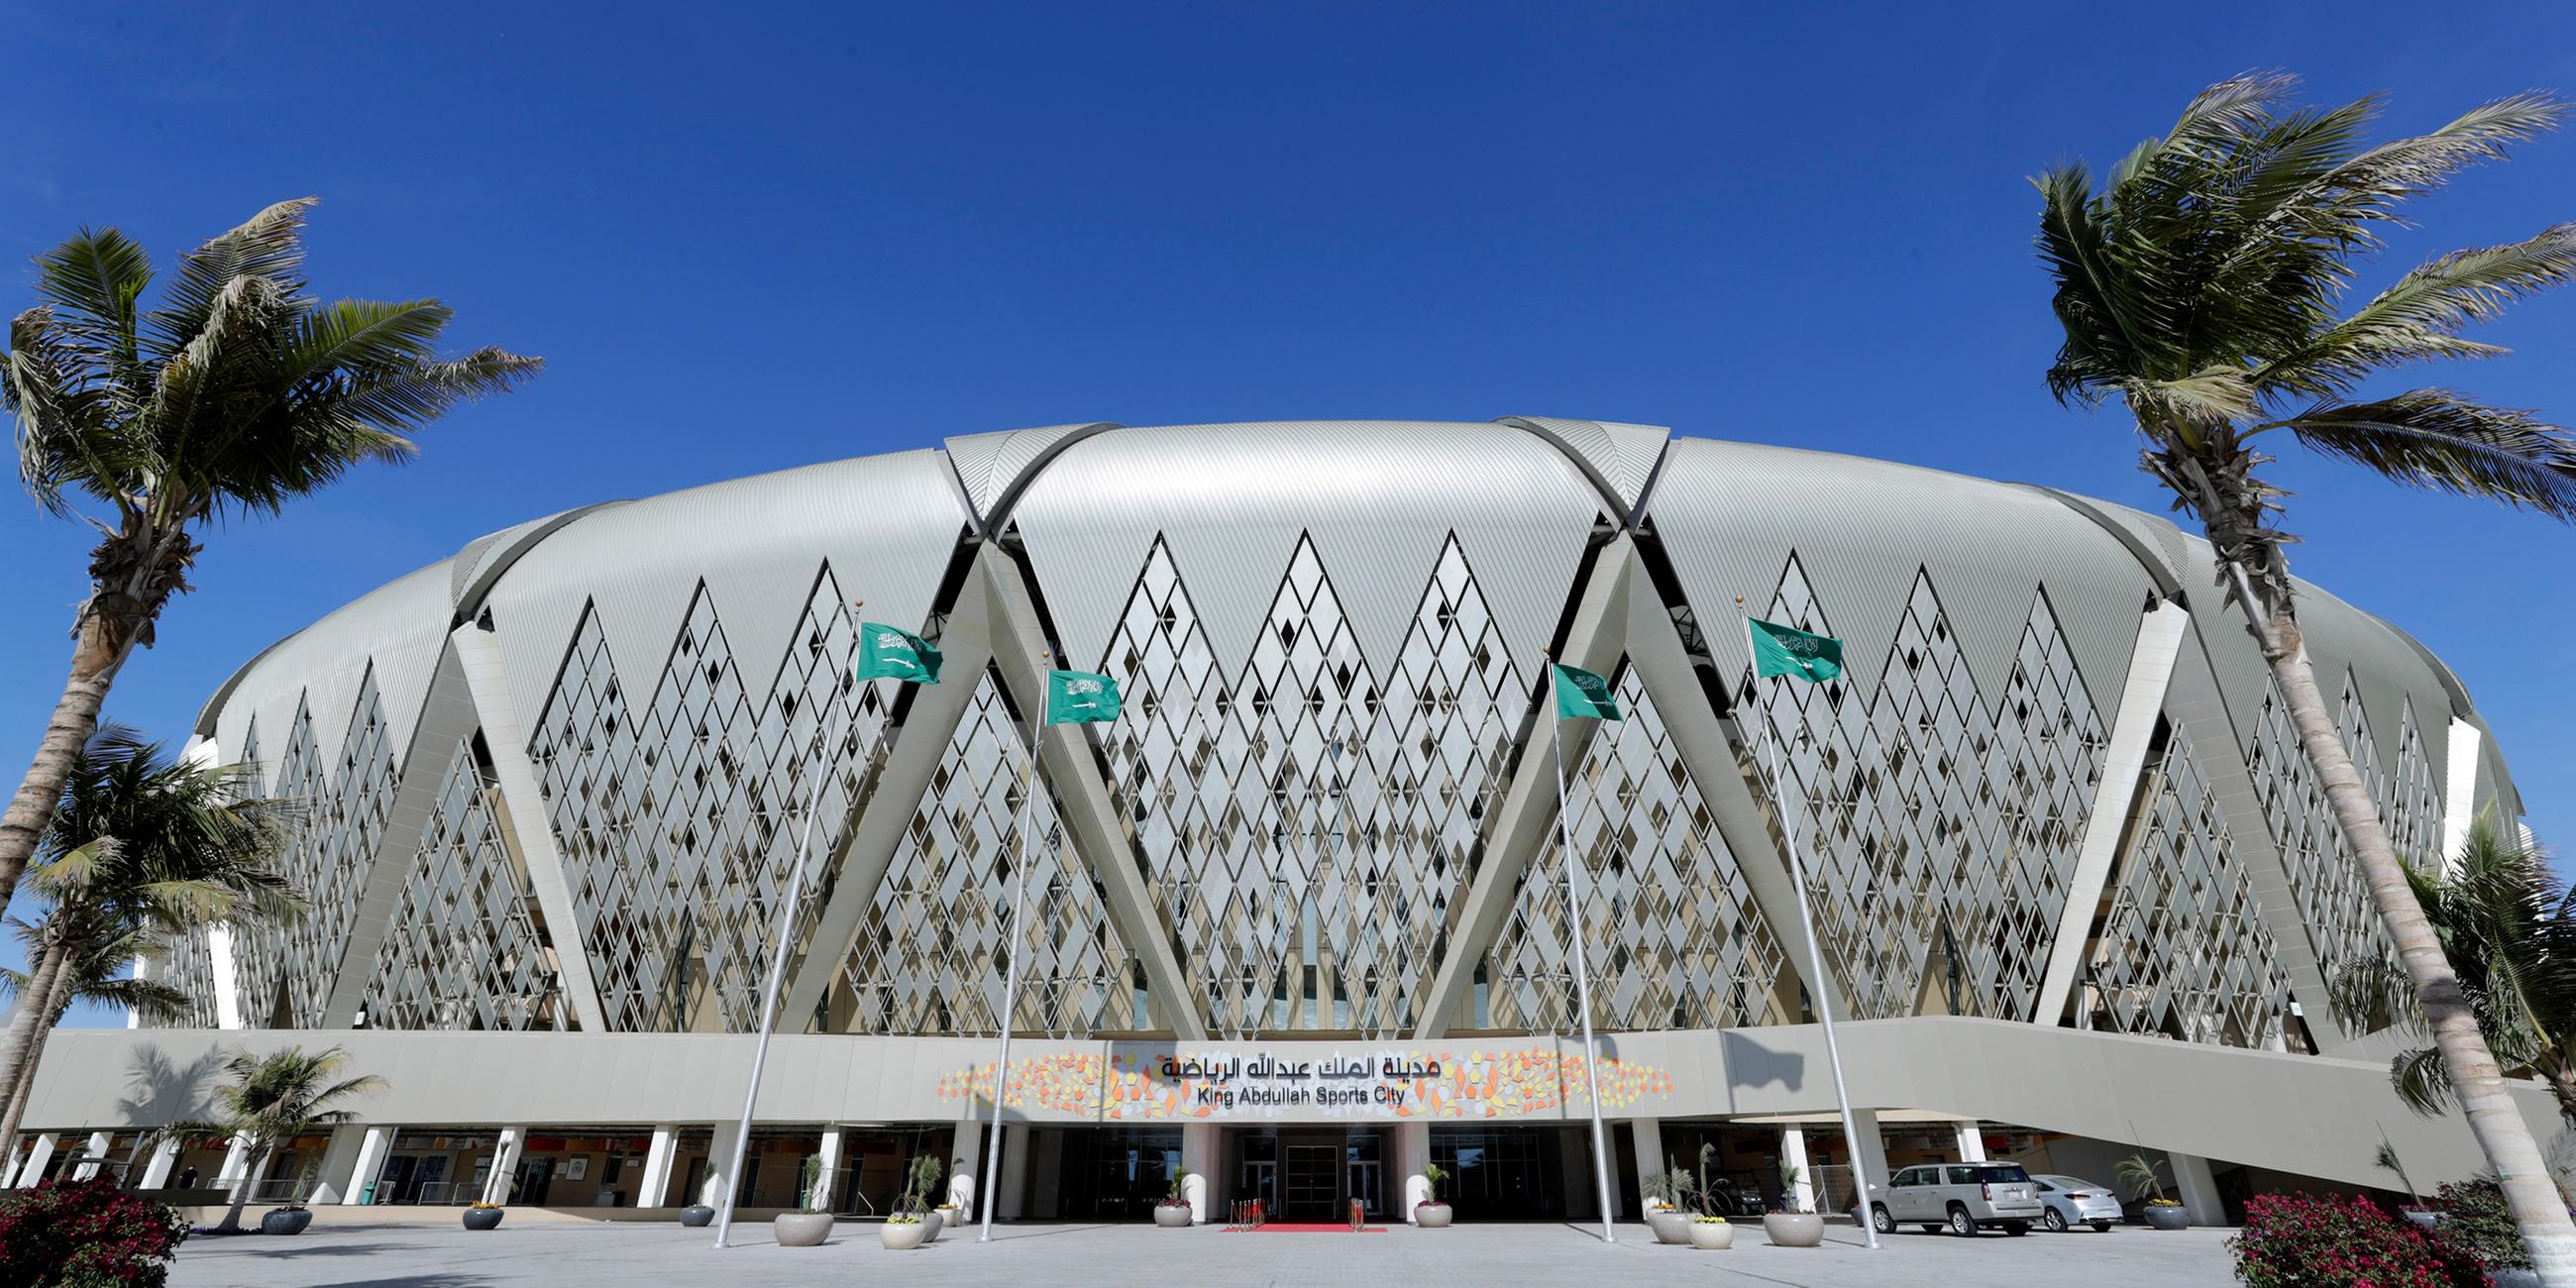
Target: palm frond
x,y
268,245
2404,167
93,281
2420,1081
2437,439
2419,317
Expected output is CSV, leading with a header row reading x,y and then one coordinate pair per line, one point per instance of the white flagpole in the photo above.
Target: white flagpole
x,y
1011,965
1815,961
769,1006
1582,973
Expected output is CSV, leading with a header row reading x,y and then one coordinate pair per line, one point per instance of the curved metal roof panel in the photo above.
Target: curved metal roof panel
x,y
1379,499
886,524
398,628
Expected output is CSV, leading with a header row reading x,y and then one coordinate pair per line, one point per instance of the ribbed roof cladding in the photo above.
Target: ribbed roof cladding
x,y
398,628
1379,498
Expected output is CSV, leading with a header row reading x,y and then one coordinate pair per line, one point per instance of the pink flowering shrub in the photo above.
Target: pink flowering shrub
x,y
86,1234
2304,1241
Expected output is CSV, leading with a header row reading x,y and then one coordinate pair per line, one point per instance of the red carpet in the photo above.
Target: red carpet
x,y
1309,1227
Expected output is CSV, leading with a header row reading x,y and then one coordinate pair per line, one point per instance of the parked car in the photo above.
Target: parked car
x,y
2074,1201
1964,1197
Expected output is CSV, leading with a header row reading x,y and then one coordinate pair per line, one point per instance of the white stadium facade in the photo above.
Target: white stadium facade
x,y
1297,920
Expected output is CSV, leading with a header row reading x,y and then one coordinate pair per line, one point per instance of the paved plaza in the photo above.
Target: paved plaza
x,y
363,1253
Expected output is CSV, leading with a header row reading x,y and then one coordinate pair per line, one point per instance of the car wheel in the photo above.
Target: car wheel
x,y
2054,1220
1880,1220
1961,1224
2101,1227
2016,1227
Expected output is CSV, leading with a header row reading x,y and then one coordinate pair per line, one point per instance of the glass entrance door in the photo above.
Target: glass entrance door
x,y
1314,1182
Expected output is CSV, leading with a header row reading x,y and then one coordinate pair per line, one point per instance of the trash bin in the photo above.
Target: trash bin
x,y
367,1194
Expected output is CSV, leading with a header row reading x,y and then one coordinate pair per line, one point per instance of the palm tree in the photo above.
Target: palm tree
x,y
2202,285
2510,927
239,393
96,976
142,846
273,1099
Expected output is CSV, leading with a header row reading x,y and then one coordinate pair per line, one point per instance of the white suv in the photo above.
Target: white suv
x,y
1966,1197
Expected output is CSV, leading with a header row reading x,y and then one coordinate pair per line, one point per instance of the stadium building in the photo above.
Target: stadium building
x,y
1298,921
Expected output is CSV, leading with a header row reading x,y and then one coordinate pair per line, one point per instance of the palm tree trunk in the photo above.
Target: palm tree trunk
x,y
102,644
242,1186
57,1002
35,1005
2529,1191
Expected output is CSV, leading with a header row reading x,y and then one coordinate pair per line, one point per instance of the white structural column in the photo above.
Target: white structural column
x,y
335,1182
2197,1189
1793,1153
478,651
2460,789
1869,1153
1010,1197
38,1155
966,1168
205,753
830,1181
1972,1143
1412,1155
711,1191
236,1162
372,1149
505,1165
653,1188
1646,1141
93,1155
2124,764
1200,1142
156,1172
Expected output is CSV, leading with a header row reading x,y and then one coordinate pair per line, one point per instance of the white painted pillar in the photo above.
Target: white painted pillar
x,y
38,1155
653,1189
237,1160
1972,1143
332,1182
2197,1189
966,1166
1201,1148
505,1165
156,1170
829,1182
9,1165
719,1156
1412,1154
1870,1152
1646,1141
2459,790
94,1154
1010,1198
1793,1153
373,1147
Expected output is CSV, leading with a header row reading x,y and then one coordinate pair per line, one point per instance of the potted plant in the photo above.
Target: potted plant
x,y
1173,1211
483,1216
910,1225
1710,1231
1667,1193
702,1212
291,1217
2138,1172
2414,1208
1432,1213
811,1223
1791,1224
272,1099
924,1179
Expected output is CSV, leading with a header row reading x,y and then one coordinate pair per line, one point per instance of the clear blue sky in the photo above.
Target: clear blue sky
x,y
746,242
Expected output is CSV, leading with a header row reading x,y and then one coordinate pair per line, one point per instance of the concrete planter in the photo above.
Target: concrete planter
x,y
951,1217
696,1215
903,1236
1172,1216
2514,1277
1670,1225
482,1218
1431,1216
1794,1229
286,1221
932,1227
2429,1218
801,1229
2167,1216
1713,1236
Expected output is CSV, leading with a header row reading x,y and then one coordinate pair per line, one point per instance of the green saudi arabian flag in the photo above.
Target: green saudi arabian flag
x,y
1080,697
1786,650
892,653
1581,695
